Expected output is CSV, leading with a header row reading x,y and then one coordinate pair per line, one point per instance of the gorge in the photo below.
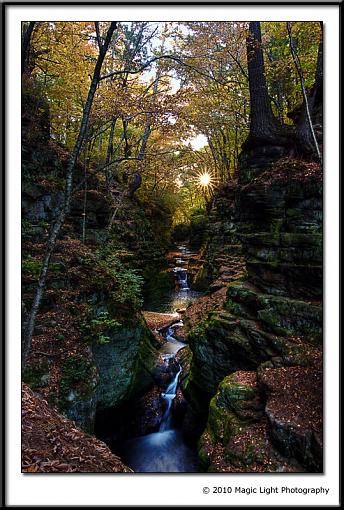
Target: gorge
x,y
179,318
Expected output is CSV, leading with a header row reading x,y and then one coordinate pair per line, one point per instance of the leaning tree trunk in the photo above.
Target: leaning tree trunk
x,y
56,227
136,179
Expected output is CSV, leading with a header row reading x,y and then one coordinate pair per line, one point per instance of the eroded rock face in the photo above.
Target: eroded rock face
x,y
222,253
225,343
279,217
271,319
125,364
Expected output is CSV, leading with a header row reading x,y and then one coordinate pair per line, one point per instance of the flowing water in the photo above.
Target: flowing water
x,y
171,300
165,451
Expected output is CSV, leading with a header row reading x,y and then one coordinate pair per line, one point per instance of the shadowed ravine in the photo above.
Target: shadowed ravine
x,y
166,451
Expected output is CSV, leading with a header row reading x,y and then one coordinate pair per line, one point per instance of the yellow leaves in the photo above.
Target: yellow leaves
x,y
65,61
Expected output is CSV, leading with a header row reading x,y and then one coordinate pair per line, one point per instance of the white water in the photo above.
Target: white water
x,y
169,396
182,276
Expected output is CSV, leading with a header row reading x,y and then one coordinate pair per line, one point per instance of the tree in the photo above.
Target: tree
x,y
215,88
27,31
264,126
103,44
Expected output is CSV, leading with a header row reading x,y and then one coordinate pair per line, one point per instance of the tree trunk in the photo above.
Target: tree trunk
x,y
109,155
263,123
136,179
26,45
264,127
57,225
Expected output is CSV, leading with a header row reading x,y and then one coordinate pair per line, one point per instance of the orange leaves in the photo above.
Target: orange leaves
x,y
53,444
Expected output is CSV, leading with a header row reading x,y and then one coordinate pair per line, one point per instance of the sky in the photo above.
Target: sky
x,y
198,141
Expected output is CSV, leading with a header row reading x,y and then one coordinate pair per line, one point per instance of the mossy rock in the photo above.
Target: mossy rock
x,y
239,291
37,375
222,423
125,363
289,316
230,391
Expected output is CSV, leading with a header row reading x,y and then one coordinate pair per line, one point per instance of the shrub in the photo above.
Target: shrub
x,y
96,327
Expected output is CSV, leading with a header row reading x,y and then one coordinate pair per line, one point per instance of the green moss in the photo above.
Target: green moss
x,y
203,278
239,292
204,461
276,226
222,424
230,391
198,332
233,307
125,364
288,316
77,381
273,320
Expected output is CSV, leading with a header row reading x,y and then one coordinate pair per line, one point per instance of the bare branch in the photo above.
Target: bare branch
x,y
96,23
169,57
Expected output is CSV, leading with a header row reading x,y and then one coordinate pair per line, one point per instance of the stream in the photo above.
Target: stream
x,y
166,451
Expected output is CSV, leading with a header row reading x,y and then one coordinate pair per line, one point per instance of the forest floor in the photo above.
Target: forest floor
x,y
56,445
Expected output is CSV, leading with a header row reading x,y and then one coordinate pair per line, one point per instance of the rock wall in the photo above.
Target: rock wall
x,y
91,347
221,254
268,330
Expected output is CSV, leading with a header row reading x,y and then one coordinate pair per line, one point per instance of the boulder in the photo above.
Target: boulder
x,y
236,438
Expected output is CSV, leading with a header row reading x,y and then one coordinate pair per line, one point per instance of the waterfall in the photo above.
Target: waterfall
x,y
182,276
169,395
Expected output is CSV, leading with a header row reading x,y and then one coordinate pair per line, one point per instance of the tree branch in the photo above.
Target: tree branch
x,y
169,57
99,41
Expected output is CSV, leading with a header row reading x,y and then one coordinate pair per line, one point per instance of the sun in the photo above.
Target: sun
x,y
204,179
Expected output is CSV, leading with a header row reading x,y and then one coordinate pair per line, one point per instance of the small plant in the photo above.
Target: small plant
x,y
233,307
110,272
31,267
95,328
129,288
43,224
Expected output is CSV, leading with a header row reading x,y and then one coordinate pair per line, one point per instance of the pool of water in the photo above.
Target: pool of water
x,y
160,452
